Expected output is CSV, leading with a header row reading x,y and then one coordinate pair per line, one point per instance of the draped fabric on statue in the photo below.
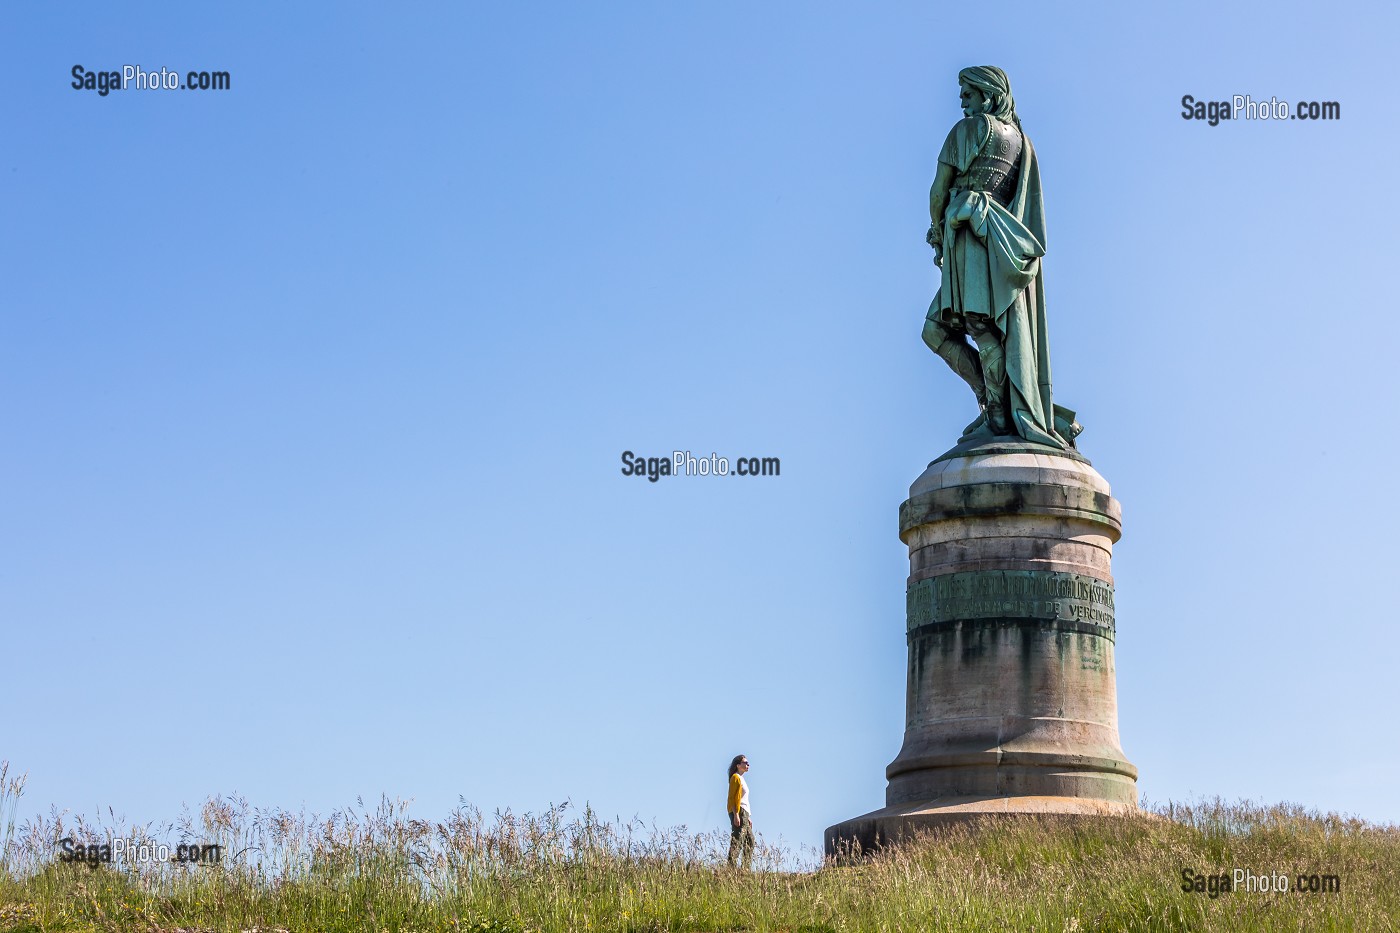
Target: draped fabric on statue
x,y
992,267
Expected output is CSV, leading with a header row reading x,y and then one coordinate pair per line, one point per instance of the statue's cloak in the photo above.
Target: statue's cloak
x,y
991,267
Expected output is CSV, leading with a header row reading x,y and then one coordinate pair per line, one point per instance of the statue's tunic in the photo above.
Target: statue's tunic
x,y
993,238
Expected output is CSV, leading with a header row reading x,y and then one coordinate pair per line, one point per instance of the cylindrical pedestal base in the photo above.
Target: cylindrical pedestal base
x,y
1011,704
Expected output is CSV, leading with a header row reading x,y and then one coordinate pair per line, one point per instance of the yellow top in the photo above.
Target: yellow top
x,y
738,793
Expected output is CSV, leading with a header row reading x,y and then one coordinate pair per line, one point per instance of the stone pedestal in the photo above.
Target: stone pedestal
x,y
1011,705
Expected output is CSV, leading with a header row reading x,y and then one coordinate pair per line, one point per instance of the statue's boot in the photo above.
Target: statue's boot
x,y
961,358
974,425
993,359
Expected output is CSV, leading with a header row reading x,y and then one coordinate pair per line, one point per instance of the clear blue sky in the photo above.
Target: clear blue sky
x,y
313,391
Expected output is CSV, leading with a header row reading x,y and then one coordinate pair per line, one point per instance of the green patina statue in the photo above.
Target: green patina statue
x,y
988,235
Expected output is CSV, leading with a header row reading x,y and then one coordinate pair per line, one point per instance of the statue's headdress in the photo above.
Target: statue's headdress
x,y
994,83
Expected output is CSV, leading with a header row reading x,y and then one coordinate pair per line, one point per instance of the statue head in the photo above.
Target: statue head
x,y
987,89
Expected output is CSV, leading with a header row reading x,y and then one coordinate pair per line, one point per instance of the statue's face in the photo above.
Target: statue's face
x,y
973,100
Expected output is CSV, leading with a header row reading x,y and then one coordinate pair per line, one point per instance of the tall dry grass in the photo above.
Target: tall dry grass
x,y
377,868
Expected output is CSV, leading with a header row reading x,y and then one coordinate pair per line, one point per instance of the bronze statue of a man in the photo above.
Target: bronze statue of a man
x,y
988,234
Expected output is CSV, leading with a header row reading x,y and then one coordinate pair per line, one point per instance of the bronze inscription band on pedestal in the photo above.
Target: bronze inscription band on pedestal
x,y
1046,595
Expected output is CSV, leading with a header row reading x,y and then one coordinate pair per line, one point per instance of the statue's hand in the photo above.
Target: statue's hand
x,y
935,239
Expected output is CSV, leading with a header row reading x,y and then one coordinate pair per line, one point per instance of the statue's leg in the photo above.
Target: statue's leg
x,y
993,357
957,353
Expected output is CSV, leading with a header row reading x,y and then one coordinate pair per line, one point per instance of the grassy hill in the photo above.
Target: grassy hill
x,y
362,869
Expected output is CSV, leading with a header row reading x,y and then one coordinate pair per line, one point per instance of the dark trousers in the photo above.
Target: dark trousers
x,y
741,839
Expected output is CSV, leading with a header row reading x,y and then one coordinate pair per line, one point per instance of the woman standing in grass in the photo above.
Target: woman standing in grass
x,y
740,819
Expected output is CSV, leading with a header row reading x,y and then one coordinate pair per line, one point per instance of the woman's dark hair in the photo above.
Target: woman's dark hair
x,y
734,765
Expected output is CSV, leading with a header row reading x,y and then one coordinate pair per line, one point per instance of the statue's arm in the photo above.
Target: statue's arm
x,y
938,194
938,202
